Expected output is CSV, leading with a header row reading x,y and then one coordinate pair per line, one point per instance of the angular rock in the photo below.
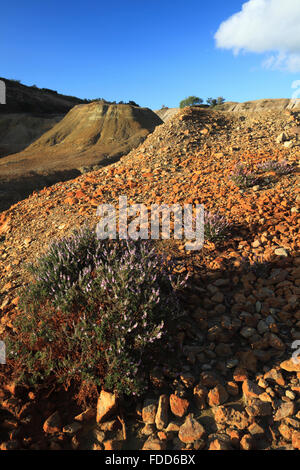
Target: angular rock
x,y
154,444
53,423
286,431
225,416
179,406
275,376
172,427
149,411
219,444
86,415
251,390
284,410
256,430
148,429
282,138
191,430
290,365
107,405
161,418
217,396
246,442
259,408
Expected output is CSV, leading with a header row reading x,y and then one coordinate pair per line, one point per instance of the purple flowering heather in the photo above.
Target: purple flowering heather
x,y
282,167
128,293
243,177
215,226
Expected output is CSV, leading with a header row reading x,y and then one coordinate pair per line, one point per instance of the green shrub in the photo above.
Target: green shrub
x,y
282,167
216,226
95,314
190,101
242,177
212,102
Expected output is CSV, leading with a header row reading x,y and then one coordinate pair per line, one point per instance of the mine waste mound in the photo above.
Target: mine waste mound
x,y
89,136
28,113
247,108
259,106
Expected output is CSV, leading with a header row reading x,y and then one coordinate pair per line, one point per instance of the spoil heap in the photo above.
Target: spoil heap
x,y
234,384
28,113
90,135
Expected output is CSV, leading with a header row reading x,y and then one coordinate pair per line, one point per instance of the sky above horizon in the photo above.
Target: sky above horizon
x,y
155,52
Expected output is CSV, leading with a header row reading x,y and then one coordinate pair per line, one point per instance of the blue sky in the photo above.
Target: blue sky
x,y
155,52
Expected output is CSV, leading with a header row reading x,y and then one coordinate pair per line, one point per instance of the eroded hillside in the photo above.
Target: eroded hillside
x,y
89,135
231,382
28,113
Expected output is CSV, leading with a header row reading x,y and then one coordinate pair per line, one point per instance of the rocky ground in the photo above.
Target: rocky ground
x,y
232,383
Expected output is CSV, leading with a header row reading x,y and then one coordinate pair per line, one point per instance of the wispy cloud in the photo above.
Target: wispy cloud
x,y
265,26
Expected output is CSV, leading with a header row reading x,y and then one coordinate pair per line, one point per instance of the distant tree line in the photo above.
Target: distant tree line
x,y
85,100
196,101
132,103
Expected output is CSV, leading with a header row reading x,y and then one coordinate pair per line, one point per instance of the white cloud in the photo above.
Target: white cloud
x,y
265,26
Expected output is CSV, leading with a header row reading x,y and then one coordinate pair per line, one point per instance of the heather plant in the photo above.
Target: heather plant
x,y
243,177
215,226
95,314
282,167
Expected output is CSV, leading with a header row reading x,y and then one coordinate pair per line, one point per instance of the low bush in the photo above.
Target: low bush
x,y
242,177
94,314
212,102
215,226
190,101
282,167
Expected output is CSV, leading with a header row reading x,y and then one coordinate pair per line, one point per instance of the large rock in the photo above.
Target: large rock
x,y
291,365
154,444
251,390
178,405
149,411
161,418
284,410
191,430
217,396
53,423
296,440
106,406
